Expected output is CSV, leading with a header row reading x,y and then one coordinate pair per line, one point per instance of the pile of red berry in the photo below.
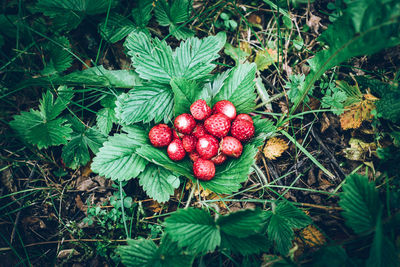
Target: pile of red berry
x,y
204,134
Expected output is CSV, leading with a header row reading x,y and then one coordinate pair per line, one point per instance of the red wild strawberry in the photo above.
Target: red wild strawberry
x,y
218,125
185,123
242,130
218,159
199,130
175,150
160,135
189,143
231,147
225,107
207,146
194,156
200,110
176,135
204,169
244,116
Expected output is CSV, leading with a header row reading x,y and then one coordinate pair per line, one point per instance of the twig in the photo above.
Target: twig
x,y
190,196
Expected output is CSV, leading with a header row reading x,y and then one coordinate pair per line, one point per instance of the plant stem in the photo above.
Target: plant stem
x,y
190,196
122,209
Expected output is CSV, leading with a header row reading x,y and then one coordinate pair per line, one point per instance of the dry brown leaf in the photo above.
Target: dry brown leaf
x,y
154,206
314,23
274,148
312,236
358,150
358,112
80,204
254,19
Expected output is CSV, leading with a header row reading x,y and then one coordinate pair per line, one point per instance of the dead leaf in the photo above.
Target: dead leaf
x,y
254,19
154,206
358,149
358,112
85,183
312,236
245,46
274,148
80,204
314,23
325,123
66,253
265,58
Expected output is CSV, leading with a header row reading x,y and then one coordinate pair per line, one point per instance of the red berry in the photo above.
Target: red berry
x,y
160,135
231,147
185,123
199,130
189,143
176,135
204,169
242,130
218,159
200,110
244,116
218,125
207,146
225,107
194,156
175,150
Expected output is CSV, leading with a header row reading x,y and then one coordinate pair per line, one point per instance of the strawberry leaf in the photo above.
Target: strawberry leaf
x,y
237,223
185,93
239,88
229,176
117,159
252,244
159,183
194,229
159,157
145,103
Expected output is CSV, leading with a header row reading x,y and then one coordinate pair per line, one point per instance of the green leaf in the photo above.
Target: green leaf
x,y
296,88
185,93
193,57
242,223
264,128
138,253
142,13
194,229
151,58
159,183
145,103
68,14
237,54
160,158
388,107
145,253
212,88
105,118
331,256
382,252
60,58
295,218
76,152
42,128
229,176
117,159
253,244
334,98
117,28
239,88
281,233
360,203
366,27
178,12
180,32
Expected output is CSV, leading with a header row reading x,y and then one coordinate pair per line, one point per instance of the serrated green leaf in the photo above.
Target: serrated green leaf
x,y
159,183
145,103
105,118
178,12
180,32
228,177
280,232
60,58
145,253
388,107
160,158
239,88
242,223
185,93
117,159
194,229
142,13
42,128
295,218
253,244
137,253
151,58
237,54
137,132
212,88
68,14
264,128
117,28
192,59
360,203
